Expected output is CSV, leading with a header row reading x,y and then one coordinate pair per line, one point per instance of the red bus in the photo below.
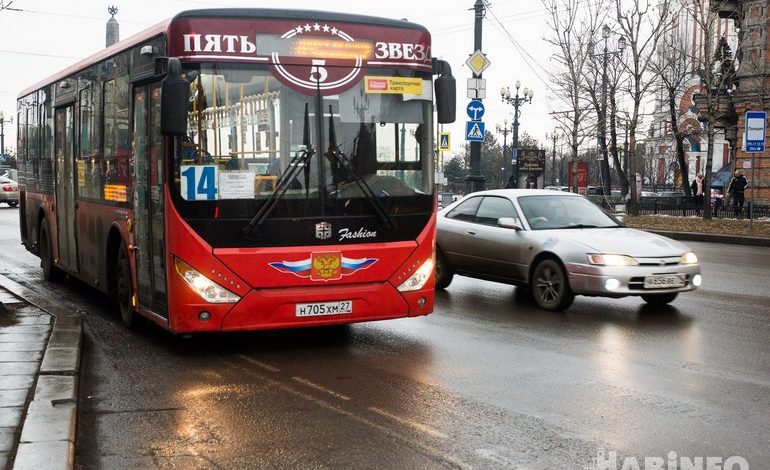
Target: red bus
x,y
241,169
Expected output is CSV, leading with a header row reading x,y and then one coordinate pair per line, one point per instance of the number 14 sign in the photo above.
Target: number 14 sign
x,y
199,182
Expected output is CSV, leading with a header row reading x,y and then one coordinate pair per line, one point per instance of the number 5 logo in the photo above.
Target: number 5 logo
x,y
319,73
199,182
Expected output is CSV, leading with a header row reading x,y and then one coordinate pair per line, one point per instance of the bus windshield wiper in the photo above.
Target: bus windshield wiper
x,y
301,160
338,159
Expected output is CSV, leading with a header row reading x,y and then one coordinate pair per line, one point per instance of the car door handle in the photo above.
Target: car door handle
x,y
471,232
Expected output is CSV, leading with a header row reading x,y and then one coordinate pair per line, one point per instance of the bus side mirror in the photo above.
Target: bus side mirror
x,y
446,92
173,101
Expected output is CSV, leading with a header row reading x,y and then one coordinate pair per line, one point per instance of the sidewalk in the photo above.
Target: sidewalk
x,y
39,365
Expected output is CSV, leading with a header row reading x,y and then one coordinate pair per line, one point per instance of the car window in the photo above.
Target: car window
x,y
492,208
466,210
556,212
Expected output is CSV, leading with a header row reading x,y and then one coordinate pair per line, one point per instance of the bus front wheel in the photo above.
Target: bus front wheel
x,y
123,288
50,272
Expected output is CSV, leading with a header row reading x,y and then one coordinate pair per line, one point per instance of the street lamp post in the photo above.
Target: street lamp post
x,y
516,101
2,133
602,137
503,130
553,135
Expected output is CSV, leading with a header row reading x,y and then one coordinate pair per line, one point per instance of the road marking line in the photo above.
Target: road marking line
x,y
438,454
414,424
320,388
257,363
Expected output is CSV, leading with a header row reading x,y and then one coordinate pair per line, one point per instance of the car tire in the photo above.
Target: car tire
x,y
550,286
13,203
123,288
660,299
50,272
443,273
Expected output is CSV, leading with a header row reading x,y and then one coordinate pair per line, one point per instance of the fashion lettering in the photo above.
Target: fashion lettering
x,y
347,234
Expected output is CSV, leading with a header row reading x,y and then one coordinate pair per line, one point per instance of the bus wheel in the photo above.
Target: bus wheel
x,y
123,288
50,272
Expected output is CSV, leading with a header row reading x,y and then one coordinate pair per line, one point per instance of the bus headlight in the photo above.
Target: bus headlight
x,y
206,288
417,280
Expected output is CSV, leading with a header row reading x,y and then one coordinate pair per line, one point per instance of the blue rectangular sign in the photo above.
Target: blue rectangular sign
x,y
755,131
474,131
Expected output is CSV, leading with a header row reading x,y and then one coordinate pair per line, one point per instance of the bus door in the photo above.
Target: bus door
x,y
148,207
65,186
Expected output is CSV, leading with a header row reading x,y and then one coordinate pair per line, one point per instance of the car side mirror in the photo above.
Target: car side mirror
x,y
508,222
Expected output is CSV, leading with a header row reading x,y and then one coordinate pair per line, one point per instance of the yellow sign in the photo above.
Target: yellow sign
x,y
81,173
478,62
393,85
443,141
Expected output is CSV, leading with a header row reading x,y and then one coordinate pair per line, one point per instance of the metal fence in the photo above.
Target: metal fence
x,y
681,206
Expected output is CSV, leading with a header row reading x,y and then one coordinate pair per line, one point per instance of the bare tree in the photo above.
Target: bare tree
x,y
716,68
673,66
643,22
573,23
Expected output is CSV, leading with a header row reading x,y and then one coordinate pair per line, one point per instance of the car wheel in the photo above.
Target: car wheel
x,y
13,203
50,272
659,299
550,286
123,288
443,273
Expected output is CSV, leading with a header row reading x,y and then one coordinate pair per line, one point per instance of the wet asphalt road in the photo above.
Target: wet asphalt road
x,y
487,381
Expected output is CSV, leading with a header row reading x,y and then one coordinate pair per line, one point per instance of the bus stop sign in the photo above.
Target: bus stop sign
x,y
755,131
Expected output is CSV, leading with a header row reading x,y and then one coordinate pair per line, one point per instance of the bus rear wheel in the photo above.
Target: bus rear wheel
x,y
123,288
50,272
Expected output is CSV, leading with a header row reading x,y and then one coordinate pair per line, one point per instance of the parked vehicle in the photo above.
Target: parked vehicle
x,y
557,188
559,245
9,191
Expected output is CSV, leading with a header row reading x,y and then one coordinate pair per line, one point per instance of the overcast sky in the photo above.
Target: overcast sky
x,y
49,35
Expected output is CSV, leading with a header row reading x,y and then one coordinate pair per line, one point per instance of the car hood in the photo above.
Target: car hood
x,y
623,240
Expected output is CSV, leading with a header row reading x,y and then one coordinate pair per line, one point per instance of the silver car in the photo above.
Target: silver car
x,y
559,245
9,191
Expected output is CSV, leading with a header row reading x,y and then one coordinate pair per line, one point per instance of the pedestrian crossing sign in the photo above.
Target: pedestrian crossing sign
x,y
443,142
474,131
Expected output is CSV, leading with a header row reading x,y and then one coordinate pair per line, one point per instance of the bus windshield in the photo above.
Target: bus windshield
x,y
247,132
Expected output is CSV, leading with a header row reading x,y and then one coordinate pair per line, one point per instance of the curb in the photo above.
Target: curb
x,y
49,424
712,238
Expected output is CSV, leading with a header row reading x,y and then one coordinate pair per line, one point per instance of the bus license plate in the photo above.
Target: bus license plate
x,y
324,308
663,281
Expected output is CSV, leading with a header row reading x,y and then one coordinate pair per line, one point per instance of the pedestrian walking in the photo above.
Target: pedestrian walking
x,y
697,191
736,190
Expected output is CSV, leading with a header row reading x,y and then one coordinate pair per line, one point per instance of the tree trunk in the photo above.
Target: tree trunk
x,y
622,177
679,138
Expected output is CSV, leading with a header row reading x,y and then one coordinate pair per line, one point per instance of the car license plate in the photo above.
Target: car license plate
x,y
324,308
663,281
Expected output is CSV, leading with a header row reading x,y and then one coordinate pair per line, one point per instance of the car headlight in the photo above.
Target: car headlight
x,y
206,288
417,280
612,260
689,258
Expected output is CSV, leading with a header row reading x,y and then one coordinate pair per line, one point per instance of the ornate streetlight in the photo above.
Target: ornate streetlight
x,y
516,101
602,137
505,131
553,136
2,132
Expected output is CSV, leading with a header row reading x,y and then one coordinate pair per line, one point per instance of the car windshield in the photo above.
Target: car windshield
x,y
555,211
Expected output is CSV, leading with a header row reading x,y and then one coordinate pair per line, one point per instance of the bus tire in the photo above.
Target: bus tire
x,y
50,272
123,288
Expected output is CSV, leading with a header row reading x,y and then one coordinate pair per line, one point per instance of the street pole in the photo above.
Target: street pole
x,y
553,160
751,201
475,180
2,134
605,163
516,101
